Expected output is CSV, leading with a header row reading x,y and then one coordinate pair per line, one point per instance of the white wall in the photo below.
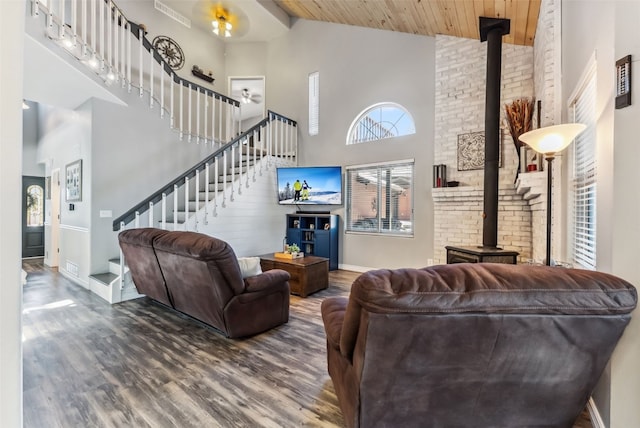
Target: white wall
x,y
200,48
625,373
11,54
359,67
30,165
618,233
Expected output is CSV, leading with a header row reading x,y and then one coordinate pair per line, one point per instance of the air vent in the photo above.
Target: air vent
x,y
172,13
72,268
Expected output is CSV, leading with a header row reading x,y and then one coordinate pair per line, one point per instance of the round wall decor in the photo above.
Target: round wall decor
x,y
170,51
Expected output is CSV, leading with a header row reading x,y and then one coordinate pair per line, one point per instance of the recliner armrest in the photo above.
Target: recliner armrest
x,y
333,310
266,280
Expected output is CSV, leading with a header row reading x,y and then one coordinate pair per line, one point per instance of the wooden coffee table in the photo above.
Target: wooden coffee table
x,y
308,274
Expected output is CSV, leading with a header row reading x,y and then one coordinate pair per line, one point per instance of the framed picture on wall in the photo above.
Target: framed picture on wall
x,y
73,174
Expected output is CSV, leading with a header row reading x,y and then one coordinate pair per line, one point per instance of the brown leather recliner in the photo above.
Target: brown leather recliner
x,y
473,345
199,275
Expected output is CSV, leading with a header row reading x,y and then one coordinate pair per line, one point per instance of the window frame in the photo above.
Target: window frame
x,y
583,176
364,114
380,229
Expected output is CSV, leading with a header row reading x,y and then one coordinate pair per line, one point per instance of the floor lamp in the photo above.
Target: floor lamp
x,y
549,141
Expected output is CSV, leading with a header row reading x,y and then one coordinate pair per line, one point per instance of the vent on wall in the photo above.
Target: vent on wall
x,y
72,268
172,13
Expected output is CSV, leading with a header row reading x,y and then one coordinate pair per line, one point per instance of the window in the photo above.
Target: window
x,y
380,198
35,206
380,121
583,176
314,102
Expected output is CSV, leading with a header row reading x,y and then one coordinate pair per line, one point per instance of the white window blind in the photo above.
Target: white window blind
x,y
314,102
584,177
380,198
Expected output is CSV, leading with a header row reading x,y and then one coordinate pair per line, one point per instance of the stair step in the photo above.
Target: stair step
x,y
105,278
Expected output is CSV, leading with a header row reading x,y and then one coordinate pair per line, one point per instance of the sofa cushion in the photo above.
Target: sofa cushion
x,y
249,266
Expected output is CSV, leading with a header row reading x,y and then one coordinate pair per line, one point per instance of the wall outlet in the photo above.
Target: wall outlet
x,y
429,262
106,213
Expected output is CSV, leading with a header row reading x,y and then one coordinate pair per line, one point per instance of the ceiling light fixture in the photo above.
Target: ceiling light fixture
x,y
221,24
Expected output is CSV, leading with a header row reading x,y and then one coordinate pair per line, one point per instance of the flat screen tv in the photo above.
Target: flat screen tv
x,y
314,185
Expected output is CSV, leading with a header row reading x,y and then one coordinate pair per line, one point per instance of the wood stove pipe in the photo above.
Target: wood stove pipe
x,y
491,31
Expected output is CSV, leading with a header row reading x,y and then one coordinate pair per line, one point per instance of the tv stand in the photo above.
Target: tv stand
x,y
316,234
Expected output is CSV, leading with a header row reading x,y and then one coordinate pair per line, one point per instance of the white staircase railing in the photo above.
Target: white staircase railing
x,y
197,194
97,33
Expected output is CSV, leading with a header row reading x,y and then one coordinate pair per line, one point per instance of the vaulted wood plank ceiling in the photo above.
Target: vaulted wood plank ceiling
x,y
426,17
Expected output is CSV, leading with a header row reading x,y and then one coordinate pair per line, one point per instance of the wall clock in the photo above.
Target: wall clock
x,y
170,51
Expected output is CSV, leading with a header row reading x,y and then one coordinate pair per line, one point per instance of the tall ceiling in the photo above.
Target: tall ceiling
x,y
426,17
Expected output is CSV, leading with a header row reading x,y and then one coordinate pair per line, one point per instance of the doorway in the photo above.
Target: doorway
x,y
32,216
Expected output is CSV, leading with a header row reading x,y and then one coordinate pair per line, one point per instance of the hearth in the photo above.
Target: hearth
x,y
480,255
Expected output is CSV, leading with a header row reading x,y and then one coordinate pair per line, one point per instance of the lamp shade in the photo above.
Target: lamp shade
x,y
552,139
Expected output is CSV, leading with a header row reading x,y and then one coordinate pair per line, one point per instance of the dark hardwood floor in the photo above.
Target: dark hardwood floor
x,y
137,364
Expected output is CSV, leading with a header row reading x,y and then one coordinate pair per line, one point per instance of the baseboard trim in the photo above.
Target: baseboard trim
x,y
354,268
596,420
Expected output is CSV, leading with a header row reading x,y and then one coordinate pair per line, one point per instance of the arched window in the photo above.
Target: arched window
x,y
380,121
35,206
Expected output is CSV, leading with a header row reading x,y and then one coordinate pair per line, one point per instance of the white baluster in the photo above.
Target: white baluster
x,y
129,36
115,42
151,67
181,87
198,116
233,171
62,19
93,27
263,138
295,151
206,193
102,33
35,8
224,178
137,220
122,261
220,121
109,38
175,207
213,120
171,116
151,222
141,59
189,113
240,167
186,201
123,49
84,26
215,187
197,191
255,157
164,211
205,114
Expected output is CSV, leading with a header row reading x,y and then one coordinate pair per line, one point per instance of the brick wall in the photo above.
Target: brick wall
x,y
459,106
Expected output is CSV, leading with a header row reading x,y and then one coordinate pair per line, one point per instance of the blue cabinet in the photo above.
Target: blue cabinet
x,y
315,234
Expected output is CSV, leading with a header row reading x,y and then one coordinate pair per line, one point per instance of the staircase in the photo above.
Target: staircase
x,y
104,41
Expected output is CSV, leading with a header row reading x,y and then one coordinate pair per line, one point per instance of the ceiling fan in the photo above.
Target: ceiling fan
x,y
247,97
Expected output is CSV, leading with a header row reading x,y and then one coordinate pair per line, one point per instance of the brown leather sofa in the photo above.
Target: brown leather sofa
x,y
473,345
199,275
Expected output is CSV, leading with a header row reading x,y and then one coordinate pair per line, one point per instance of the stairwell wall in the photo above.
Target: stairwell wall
x,y
135,154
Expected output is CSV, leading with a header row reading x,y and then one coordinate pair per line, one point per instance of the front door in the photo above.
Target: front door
x,y
32,216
